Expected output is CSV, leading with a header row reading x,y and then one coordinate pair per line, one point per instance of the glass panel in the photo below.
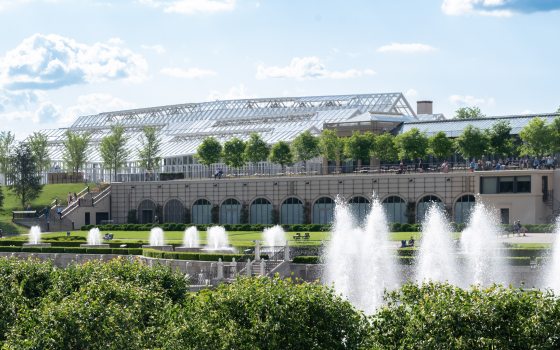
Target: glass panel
x,y
523,184
489,185
505,184
174,211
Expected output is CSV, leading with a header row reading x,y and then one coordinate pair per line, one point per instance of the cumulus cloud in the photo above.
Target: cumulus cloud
x,y
190,7
406,48
47,112
498,8
159,49
468,100
308,68
234,93
53,61
190,73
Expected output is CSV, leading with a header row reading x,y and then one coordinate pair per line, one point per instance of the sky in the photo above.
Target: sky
x,y
60,59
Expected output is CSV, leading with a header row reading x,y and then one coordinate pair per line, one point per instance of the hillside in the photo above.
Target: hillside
x,y
50,192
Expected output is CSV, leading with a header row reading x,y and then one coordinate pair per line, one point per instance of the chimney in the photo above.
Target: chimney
x,y
424,107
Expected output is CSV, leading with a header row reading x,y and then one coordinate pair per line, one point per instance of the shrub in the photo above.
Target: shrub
x,y
306,260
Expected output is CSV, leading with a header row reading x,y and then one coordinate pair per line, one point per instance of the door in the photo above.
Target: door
x,y
87,218
147,216
504,216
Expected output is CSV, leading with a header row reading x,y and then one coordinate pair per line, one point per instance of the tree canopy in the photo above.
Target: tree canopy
x,y
256,150
330,145
39,148
150,148
113,150
385,148
500,141
440,145
23,175
75,150
360,146
305,146
209,151
536,137
412,144
472,143
468,113
281,153
233,153
7,139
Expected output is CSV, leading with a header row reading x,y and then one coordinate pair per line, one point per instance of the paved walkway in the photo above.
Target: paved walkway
x,y
530,238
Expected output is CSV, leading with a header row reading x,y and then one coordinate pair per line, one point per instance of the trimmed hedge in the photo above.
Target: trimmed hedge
x,y
307,259
228,227
72,250
160,254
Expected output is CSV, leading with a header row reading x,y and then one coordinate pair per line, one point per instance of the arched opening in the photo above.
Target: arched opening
x,y
146,211
201,212
359,207
174,211
463,208
323,210
230,211
261,212
395,208
424,203
291,211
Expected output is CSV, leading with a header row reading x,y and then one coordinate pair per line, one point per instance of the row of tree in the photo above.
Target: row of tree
x,y
537,138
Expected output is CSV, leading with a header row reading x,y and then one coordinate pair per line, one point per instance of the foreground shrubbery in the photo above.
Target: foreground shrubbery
x,y
126,305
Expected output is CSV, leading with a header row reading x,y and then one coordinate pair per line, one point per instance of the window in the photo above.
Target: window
x,y
323,211
230,212
505,184
464,207
261,211
395,207
291,211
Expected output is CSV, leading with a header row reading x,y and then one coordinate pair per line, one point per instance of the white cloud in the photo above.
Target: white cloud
x,y
6,4
308,68
159,49
406,48
47,113
53,61
476,7
93,104
190,73
234,93
468,100
411,94
190,7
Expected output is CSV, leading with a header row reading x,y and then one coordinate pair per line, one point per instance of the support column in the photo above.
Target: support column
x,y
257,251
286,252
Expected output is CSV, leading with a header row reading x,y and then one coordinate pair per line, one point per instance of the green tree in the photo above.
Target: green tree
x,y
537,138
555,135
305,147
38,144
209,151
472,143
359,147
256,150
280,153
234,153
440,145
6,148
412,144
1,197
75,150
331,146
468,113
23,175
385,148
149,152
113,150
500,141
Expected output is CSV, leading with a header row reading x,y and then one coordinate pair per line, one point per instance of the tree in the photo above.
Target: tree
x,y
472,143
6,147
499,137
281,153
234,153
113,150
555,134
1,197
440,145
468,113
38,144
359,146
331,146
537,138
256,150
305,147
209,151
23,175
412,144
149,153
75,150
385,148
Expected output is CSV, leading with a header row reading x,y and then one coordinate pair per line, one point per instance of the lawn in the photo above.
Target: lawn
x,y
49,193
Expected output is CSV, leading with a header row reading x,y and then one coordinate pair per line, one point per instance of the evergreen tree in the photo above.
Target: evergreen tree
x,y
23,175
113,150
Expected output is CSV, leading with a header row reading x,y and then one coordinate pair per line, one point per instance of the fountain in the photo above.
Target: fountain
x,y
436,257
35,238
217,240
157,241
480,247
274,236
94,239
190,241
359,261
551,278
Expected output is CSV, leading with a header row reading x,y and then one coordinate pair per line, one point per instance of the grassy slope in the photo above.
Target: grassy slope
x,y
50,192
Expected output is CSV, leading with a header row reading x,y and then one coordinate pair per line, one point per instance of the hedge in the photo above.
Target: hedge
x,y
160,254
72,250
307,259
228,227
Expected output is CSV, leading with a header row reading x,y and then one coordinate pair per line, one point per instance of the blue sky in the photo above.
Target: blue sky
x,y
63,58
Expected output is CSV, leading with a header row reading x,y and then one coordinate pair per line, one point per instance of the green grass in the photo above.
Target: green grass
x,y
49,193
